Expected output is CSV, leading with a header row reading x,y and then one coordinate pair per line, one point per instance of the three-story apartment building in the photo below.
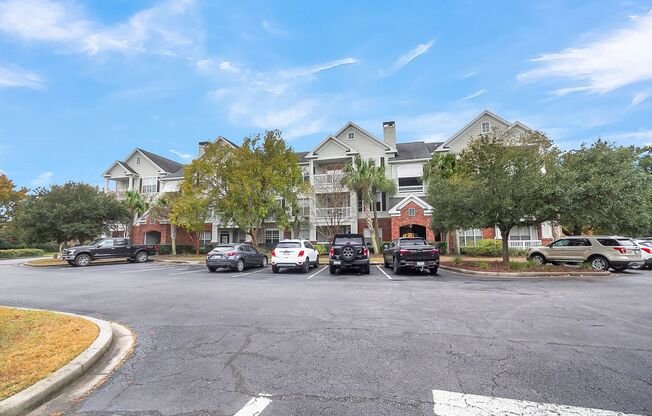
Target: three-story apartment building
x,y
405,212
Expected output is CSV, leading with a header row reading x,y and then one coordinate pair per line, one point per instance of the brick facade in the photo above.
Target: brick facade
x,y
384,224
420,218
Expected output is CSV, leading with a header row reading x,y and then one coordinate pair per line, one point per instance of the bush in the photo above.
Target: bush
x,y
457,260
490,248
21,252
322,249
181,249
47,247
517,265
442,246
482,265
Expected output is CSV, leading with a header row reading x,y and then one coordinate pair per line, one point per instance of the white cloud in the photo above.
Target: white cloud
x,y
186,156
639,137
408,57
474,95
43,179
620,58
16,77
311,70
271,28
640,97
158,30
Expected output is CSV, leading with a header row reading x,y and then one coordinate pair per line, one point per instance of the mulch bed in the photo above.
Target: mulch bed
x,y
497,266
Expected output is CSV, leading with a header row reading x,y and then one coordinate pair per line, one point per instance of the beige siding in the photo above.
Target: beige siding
x,y
462,139
331,150
367,146
117,171
145,169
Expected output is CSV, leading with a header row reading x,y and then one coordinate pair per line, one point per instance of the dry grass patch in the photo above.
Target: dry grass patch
x,y
47,262
34,344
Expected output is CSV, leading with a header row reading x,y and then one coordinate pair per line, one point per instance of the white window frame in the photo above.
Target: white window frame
x,y
470,235
350,135
482,124
138,160
205,237
303,234
379,232
149,185
412,212
269,235
517,232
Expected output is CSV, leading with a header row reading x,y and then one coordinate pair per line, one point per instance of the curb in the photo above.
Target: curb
x,y
524,275
45,389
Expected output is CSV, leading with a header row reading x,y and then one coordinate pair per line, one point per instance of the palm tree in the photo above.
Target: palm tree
x,y
161,209
136,206
367,179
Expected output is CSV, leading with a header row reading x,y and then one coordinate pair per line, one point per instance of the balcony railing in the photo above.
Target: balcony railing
x,y
524,244
341,212
327,179
410,189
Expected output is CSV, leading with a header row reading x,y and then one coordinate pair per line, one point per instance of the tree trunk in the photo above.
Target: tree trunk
x,y
252,233
197,234
505,234
173,239
370,225
577,230
374,232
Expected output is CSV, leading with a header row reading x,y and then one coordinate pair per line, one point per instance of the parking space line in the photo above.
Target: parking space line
x,y
316,273
149,269
198,269
244,274
255,406
385,273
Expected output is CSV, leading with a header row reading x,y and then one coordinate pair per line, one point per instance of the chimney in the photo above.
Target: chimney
x,y
389,133
201,147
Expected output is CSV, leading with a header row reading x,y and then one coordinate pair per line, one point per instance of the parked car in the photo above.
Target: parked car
x,y
601,252
411,253
235,256
108,248
294,254
646,252
348,251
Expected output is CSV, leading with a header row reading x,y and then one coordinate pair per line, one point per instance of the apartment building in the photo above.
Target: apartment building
x,y
405,212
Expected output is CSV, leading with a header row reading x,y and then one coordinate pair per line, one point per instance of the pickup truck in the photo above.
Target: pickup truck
x,y
108,248
411,253
348,251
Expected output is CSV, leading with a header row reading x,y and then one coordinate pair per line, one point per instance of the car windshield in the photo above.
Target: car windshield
x,y
221,249
413,242
626,242
340,241
289,244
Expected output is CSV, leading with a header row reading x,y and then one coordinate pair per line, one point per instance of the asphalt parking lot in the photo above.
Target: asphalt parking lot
x,y
255,342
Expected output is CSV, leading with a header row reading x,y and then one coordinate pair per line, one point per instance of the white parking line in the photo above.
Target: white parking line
x,y
254,407
197,269
385,273
244,274
448,403
149,269
317,272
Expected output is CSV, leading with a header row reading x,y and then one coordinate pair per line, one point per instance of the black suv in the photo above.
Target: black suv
x,y
348,251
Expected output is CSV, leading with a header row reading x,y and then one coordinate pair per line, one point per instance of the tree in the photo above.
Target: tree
x,y
162,208
74,211
499,182
331,203
606,189
441,166
10,199
190,211
367,179
137,206
248,185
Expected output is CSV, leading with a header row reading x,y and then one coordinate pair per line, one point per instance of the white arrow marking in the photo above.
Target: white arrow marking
x,y
254,407
448,403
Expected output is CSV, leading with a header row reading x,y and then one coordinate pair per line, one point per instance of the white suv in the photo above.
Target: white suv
x,y
294,254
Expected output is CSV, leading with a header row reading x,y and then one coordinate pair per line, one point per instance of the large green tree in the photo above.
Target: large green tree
x,y
368,180
189,210
496,181
161,208
73,211
10,199
248,185
604,188
441,166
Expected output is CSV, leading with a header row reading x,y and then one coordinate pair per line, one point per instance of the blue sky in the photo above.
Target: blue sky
x,y
84,82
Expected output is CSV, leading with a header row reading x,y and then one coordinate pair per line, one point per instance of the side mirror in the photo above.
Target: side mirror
x,y
98,246
385,246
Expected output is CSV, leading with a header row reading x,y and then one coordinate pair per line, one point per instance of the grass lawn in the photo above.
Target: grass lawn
x,y
34,344
46,262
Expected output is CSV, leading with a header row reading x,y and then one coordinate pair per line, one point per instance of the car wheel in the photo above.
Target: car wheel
x,y
239,265
366,269
385,264
275,269
332,269
264,262
142,257
317,262
212,269
599,263
396,268
434,270
538,259
82,260
306,265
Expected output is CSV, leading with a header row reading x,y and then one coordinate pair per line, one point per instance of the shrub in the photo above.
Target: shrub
x,y
21,252
181,249
441,245
457,260
517,265
322,249
482,265
586,265
490,248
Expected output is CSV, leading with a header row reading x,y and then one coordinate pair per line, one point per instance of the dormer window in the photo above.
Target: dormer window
x,y
138,160
350,135
485,127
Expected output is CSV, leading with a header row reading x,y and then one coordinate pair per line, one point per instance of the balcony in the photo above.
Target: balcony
x,y
338,212
524,244
328,180
410,189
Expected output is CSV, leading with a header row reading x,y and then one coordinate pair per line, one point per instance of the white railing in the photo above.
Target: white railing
x,y
327,179
341,212
523,244
410,189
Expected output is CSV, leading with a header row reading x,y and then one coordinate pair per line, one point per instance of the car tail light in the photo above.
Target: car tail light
x,y
434,250
403,251
364,251
647,250
621,250
331,252
231,253
273,253
155,248
301,253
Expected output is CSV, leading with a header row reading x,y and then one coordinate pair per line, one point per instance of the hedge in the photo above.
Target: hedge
x,y
489,248
47,247
21,252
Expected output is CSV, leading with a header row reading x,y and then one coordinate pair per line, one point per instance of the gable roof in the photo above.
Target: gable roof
x,y
396,210
122,164
302,156
414,150
163,163
352,124
469,124
314,152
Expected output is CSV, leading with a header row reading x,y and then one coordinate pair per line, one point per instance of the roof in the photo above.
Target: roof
x,y
415,150
302,156
164,163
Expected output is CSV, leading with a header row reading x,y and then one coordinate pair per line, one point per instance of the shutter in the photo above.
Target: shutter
x,y
141,185
383,205
158,186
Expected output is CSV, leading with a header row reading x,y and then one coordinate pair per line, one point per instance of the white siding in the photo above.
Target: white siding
x,y
145,169
409,170
462,139
117,172
367,146
331,150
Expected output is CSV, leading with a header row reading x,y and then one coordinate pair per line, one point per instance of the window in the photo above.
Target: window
x,y
470,237
149,185
379,233
152,220
485,127
205,238
561,243
304,207
412,212
350,135
307,244
138,160
271,236
120,242
304,234
106,243
340,241
520,232
579,242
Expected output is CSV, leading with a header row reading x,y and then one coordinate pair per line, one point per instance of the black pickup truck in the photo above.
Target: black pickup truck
x,y
108,248
411,253
348,251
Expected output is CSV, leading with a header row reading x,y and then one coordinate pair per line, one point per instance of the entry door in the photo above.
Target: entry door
x,y
224,237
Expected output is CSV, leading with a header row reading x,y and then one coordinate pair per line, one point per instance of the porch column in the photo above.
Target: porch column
x,y
106,184
131,183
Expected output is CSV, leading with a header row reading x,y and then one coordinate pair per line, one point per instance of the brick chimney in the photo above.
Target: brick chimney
x,y
389,133
201,147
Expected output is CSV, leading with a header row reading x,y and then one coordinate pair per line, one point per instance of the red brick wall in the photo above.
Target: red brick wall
x,y
183,237
488,233
404,219
384,223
